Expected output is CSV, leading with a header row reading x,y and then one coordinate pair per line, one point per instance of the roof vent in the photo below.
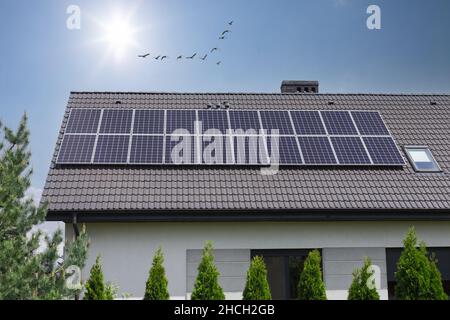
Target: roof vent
x,y
209,106
226,105
330,102
217,106
299,86
118,102
433,103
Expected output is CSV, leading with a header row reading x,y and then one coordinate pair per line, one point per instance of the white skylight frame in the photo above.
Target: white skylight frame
x,y
427,152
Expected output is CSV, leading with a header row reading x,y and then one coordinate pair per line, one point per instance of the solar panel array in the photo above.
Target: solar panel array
x,y
242,137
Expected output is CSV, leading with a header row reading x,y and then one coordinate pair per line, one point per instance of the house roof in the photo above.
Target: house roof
x,y
162,191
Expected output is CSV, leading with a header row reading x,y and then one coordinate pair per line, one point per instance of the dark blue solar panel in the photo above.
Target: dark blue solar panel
x,y
339,122
277,120
76,149
213,119
247,121
317,150
83,121
112,149
149,122
307,122
350,150
369,123
216,150
181,122
181,150
116,121
147,149
249,150
383,151
283,150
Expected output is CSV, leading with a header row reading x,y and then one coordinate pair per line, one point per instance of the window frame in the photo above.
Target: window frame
x,y
427,150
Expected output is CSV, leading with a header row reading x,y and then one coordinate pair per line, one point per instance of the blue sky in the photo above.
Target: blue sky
x,y
325,40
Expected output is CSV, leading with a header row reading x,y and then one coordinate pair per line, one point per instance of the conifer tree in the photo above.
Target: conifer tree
x,y
311,286
257,286
207,282
96,288
25,271
361,287
156,286
417,275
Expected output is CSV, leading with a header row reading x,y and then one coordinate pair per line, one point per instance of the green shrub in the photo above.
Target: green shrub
x,y
360,288
207,282
310,286
417,275
156,286
96,289
257,286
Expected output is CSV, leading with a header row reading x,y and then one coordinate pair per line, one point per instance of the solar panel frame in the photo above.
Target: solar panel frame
x,y
145,122
363,119
288,150
174,122
302,121
120,144
383,143
338,122
358,156
116,121
89,118
250,119
277,119
210,117
227,150
318,153
146,142
260,142
194,157
82,139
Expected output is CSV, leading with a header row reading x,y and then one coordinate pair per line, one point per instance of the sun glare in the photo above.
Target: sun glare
x,y
119,35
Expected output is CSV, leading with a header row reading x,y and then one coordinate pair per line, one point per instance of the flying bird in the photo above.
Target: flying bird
x,y
222,38
179,57
219,62
214,49
204,58
192,57
226,31
164,57
230,23
144,55
156,58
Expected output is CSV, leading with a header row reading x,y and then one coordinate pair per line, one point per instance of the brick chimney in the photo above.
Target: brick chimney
x,y
299,86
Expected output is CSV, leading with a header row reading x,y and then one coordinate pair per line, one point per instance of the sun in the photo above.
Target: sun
x,y
118,34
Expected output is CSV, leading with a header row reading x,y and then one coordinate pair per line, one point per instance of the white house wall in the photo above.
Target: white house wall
x,y
127,248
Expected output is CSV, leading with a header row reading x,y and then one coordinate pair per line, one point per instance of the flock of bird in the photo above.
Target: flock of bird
x,y
204,57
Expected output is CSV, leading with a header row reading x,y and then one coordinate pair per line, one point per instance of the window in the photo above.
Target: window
x,y
422,159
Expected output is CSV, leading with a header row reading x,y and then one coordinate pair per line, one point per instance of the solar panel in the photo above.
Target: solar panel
x,y
350,150
216,150
83,121
76,149
339,123
213,119
148,122
116,121
247,121
307,122
249,150
317,150
181,122
283,150
112,149
181,150
147,149
277,120
170,136
369,123
383,150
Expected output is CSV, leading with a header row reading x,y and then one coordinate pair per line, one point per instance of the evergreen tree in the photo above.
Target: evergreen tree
x,y
26,272
156,286
311,285
360,288
417,275
257,286
207,282
96,289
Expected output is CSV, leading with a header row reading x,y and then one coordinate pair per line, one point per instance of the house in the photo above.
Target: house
x,y
356,171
